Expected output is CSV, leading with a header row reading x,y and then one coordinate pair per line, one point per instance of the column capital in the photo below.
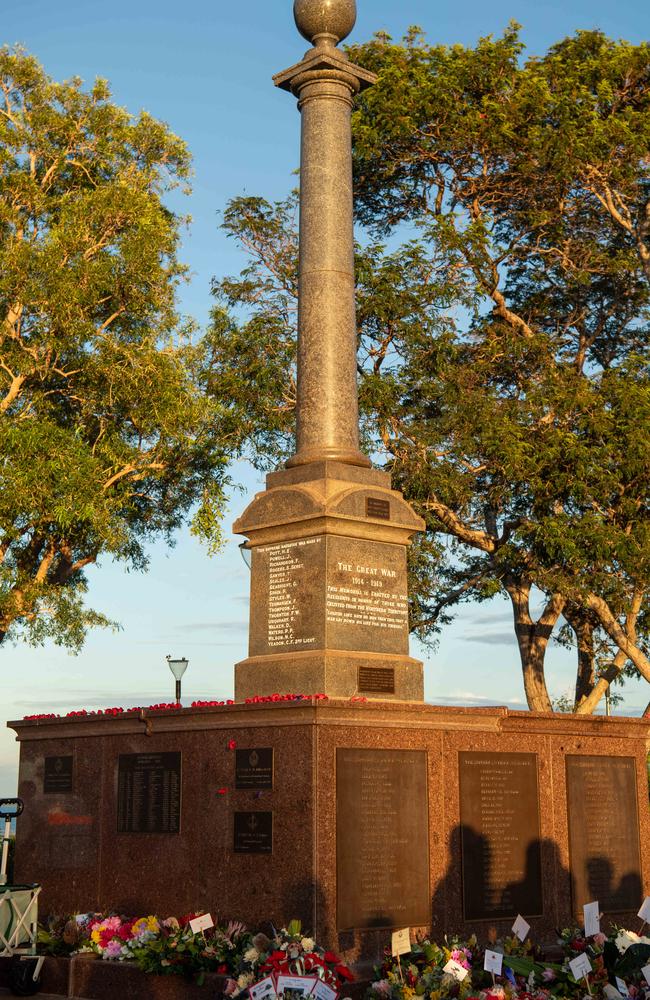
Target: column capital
x,y
325,63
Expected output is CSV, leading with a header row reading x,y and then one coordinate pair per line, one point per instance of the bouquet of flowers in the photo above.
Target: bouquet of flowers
x,y
178,950
422,971
288,953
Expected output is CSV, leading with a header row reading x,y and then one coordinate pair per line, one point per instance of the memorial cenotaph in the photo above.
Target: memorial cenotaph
x,y
328,537
369,810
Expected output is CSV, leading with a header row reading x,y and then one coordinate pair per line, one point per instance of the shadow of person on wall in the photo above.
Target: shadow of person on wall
x,y
460,893
525,896
627,895
466,891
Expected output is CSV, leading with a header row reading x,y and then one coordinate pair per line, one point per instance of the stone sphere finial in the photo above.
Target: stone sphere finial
x,y
325,20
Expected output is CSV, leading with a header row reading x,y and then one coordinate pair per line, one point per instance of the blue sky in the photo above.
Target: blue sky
x,y
205,68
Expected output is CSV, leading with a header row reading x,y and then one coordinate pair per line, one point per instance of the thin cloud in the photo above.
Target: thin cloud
x,y
498,618
231,626
469,698
491,638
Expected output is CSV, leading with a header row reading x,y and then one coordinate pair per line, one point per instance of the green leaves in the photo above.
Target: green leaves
x,y
503,337
108,430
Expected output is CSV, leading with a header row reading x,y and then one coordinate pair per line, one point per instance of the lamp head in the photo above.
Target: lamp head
x,y
177,667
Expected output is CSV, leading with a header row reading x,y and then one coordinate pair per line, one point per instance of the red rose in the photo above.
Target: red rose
x,y
232,744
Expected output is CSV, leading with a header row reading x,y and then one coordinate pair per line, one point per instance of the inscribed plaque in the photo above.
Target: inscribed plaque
x,y
382,838
366,603
500,837
328,592
254,768
253,833
377,679
149,793
378,508
604,832
57,775
287,596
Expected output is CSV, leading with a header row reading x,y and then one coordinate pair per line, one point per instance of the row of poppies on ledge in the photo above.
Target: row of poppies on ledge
x,y
258,699
260,966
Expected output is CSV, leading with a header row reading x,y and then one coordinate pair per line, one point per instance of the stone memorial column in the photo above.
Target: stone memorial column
x,y
325,83
328,536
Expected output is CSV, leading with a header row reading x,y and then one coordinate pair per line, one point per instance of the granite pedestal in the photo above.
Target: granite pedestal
x,y
328,600
354,817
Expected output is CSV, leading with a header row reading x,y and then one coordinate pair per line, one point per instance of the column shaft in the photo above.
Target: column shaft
x,y
327,410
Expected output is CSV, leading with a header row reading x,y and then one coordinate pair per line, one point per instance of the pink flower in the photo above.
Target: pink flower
x,y
600,939
113,949
382,986
548,975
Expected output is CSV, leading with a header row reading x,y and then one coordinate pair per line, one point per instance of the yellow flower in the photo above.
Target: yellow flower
x,y
95,937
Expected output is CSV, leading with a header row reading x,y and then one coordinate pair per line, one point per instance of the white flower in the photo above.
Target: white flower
x,y
625,939
307,944
251,955
245,980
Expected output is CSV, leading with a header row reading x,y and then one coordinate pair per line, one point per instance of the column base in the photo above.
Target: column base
x,y
347,456
340,673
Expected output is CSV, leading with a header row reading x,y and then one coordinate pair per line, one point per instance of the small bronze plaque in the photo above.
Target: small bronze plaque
x,y
253,833
380,679
254,768
57,775
500,835
604,832
382,838
149,793
378,508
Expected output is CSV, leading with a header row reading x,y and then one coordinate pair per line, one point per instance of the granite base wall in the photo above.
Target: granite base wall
x,y
69,842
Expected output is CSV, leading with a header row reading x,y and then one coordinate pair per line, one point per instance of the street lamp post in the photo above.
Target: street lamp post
x,y
178,668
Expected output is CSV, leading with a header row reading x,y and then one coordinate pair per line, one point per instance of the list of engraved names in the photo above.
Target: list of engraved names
x,y
603,831
287,564
382,853
500,835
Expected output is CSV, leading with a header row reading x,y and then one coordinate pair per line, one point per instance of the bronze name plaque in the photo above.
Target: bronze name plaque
x,y
254,768
604,832
381,679
382,838
378,508
149,793
500,835
57,775
253,833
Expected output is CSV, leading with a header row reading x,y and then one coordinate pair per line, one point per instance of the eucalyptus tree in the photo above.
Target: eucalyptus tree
x,y
108,435
503,346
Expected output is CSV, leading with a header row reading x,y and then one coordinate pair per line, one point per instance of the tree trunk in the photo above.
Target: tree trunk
x,y
624,639
583,628
532,639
